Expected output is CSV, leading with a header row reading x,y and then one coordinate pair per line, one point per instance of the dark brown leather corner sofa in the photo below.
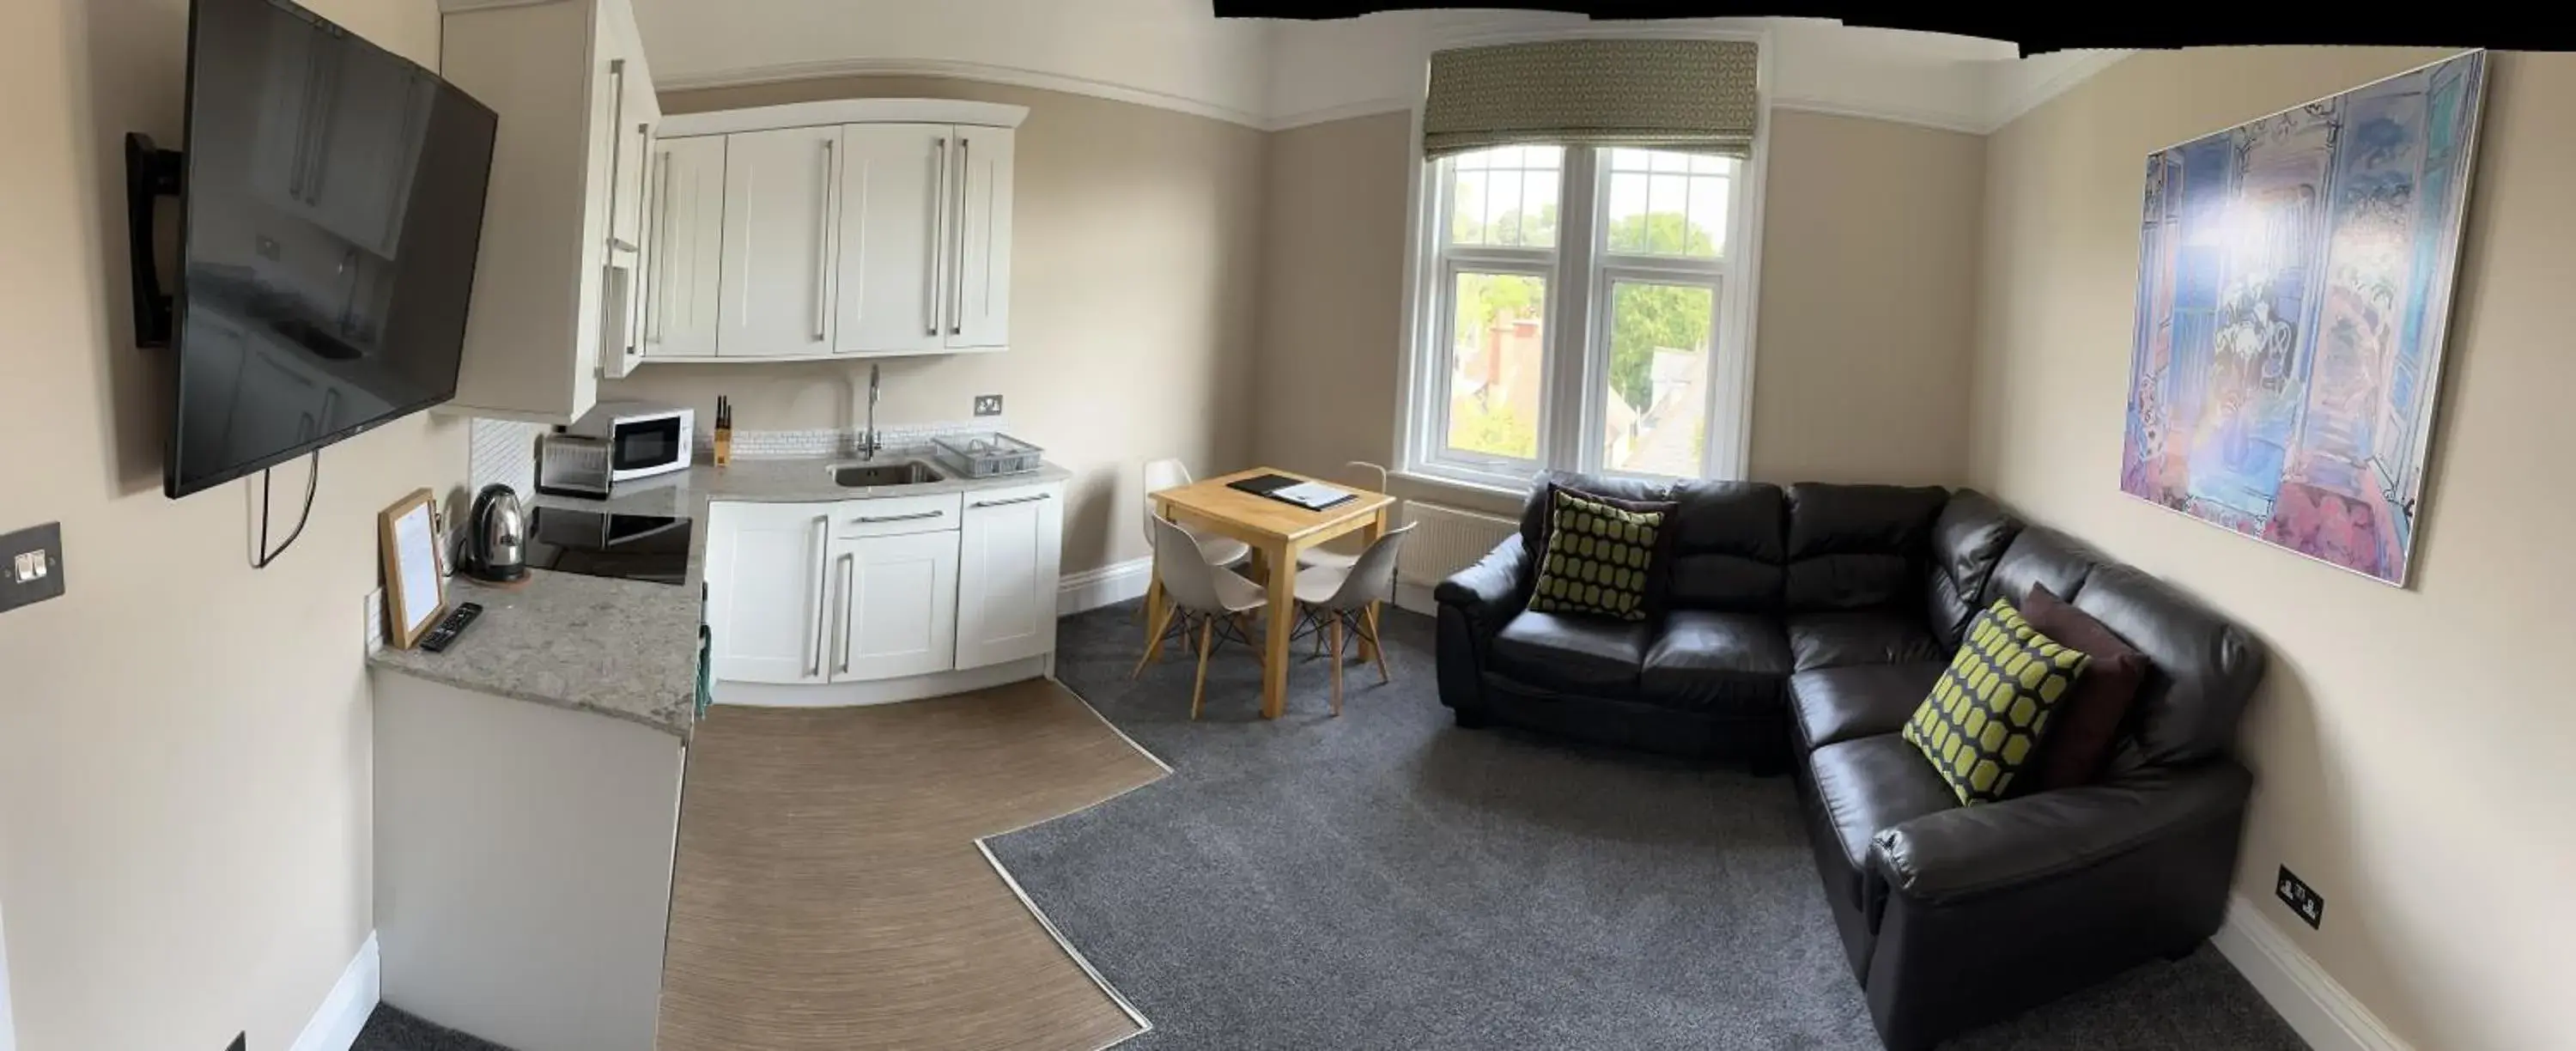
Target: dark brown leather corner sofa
x,y
1800,628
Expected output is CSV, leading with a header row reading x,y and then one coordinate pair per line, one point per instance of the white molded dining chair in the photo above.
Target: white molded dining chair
x,y
1172,474
1333,598
1340,552
1197,595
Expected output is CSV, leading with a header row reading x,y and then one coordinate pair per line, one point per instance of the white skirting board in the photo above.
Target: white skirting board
x,y
1108,585
2319,1008
335,1025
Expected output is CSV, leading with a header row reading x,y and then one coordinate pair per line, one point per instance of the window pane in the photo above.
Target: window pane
x,y
1655,416
1496,349
1467,208
1664,202
1707,216
1627,213
1505,196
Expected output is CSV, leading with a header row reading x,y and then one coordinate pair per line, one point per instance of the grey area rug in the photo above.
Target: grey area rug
x,y
1384,880
390,1029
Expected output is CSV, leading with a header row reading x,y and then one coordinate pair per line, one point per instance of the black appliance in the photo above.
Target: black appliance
x,y
496,539
331,207
650,548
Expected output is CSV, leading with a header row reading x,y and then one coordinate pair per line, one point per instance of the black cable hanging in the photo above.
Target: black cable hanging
x,y
312,481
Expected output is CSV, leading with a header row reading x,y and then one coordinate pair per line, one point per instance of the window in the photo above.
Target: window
x,y
1573,315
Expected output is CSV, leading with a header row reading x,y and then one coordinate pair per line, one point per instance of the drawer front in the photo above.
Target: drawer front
x,y
1019,494
898,515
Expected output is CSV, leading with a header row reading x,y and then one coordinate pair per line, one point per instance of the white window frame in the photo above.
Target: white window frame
x,y
1572,324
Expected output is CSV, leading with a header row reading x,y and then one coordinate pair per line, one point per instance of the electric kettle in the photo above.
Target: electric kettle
x,y
496,545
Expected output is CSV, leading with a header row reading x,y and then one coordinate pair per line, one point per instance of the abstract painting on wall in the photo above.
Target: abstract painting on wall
x,y
2294,290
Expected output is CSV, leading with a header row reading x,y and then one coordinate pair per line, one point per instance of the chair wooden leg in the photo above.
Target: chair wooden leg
x,y
1198,690
1376,646
1337,667
1162,621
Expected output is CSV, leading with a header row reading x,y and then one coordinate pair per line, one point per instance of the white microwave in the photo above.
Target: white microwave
x,y
643,439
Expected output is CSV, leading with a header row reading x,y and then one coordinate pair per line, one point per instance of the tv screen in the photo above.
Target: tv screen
x,y
332,208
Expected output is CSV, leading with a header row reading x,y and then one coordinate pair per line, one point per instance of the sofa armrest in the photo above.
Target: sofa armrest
x,y
1488,592
1973,850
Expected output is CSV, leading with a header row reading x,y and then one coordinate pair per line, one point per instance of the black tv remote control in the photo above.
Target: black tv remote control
x,y
447,630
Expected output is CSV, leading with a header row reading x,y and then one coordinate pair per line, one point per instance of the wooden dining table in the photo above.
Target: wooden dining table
x,y
1276,531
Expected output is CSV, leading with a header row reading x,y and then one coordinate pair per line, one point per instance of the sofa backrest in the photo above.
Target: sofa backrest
x,y
2039,555
1857,546
1968,540
2205,667
1727,546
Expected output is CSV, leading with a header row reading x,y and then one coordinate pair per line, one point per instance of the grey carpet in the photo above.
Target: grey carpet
x,y
389,1029
1384,880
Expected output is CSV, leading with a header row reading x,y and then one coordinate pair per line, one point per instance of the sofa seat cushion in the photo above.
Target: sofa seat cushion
x,y
1867,784
1585,656
1711,663
1885,635
1834,705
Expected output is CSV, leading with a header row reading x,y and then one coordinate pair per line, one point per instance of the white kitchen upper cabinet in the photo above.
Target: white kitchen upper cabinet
x,y
979,279
684,246
767,601
1010,552
554,297
898,602
633,110
894,182
780,190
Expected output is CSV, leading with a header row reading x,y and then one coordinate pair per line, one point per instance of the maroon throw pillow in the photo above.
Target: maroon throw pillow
x,y
2088,723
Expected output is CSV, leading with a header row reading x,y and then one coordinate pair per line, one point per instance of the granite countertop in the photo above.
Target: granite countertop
x,y
628,649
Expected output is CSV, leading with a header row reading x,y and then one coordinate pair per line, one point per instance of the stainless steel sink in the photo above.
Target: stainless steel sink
x,y
872,475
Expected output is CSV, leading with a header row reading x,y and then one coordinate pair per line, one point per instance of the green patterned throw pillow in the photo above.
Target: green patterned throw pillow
x,y
1988,712
1599,558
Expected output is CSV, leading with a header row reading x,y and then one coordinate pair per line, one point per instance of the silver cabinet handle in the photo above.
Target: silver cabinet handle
x,y
849,601
930,290
656,262
822,591
1014,500
823,245
897,518
607,266
957,265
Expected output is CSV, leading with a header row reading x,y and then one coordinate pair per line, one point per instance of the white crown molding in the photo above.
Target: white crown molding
x,y
929,67
2009,99
845,111
1345,111
2318,1008
1970,123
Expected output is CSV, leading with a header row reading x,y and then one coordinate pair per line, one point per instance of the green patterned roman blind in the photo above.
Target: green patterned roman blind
x,y
1693,95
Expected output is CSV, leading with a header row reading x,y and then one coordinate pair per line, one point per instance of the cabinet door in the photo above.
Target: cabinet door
x,y
892,178
778,235
898,602
1009,555
980,271
766,591
684,246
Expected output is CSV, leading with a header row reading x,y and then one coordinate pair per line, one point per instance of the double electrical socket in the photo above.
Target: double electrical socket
x,y
988,405
2301,898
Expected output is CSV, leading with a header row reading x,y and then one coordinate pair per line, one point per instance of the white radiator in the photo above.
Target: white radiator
x,y
1444,540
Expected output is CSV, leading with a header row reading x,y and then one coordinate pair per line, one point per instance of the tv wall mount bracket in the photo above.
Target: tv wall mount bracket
x,y
151,173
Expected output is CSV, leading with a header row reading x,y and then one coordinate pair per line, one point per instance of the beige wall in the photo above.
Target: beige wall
x,y
1867,284
1869,252
185,826
2412,744
1135,266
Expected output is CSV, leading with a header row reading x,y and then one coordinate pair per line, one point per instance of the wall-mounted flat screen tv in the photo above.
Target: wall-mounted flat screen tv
x,y
332,205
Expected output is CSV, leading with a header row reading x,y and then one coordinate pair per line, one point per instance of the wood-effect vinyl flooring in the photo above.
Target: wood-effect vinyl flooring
x,y
829,892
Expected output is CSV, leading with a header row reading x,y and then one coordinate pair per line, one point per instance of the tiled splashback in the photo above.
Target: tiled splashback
x,y
504,451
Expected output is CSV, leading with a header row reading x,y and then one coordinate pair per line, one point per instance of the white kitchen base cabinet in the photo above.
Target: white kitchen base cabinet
x,y
883,599
1010,556
898,597
767,595
523,866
